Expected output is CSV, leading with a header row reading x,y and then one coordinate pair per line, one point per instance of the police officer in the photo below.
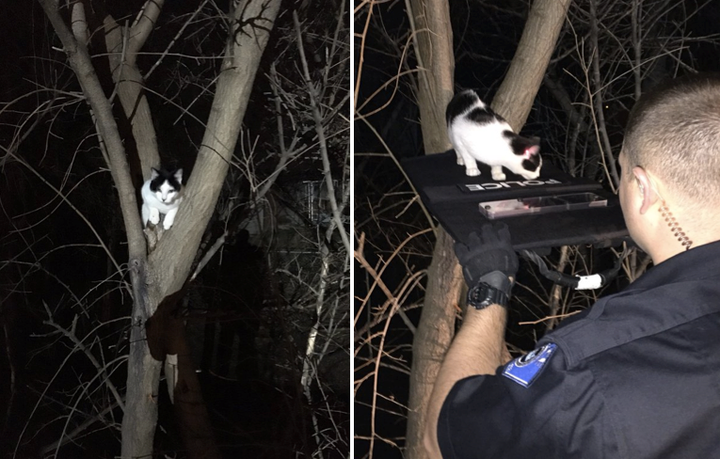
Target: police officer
x,y
638,374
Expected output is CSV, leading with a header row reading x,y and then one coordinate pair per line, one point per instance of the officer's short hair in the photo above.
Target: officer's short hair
x,y
674,132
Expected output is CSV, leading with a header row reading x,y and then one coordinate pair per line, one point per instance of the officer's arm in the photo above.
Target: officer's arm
x,y
487,259
478,348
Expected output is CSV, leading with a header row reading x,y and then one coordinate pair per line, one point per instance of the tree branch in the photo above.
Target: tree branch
x,y
320,130
130,83
107,128
516,94
141,28
242,58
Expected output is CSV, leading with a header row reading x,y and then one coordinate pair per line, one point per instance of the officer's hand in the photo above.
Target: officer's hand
x,y
488,252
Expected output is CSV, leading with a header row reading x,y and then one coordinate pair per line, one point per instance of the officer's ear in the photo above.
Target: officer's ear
x,y
646,188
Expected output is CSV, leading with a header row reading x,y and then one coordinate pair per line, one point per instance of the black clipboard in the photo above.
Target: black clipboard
x,y
453,198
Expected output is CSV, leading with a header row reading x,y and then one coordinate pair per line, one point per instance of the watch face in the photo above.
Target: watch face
x,y
483,295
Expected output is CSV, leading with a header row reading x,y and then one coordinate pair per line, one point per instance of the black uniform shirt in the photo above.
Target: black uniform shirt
x,y
635,376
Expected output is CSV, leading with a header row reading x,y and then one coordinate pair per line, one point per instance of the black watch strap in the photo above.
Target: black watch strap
x,y
498,280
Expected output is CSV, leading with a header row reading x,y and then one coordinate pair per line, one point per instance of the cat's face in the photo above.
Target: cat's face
x,y
166,185
527,160
531,162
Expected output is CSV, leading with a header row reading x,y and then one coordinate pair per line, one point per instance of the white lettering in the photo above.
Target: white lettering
x,y
492,186
498,185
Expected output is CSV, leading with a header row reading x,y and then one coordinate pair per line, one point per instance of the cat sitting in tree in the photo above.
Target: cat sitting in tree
x,y
161,195
478,133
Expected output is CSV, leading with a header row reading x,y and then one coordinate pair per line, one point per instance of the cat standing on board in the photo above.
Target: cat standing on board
x,y
479,134
161,195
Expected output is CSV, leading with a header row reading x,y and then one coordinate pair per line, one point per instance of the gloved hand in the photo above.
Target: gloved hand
x,y
487,253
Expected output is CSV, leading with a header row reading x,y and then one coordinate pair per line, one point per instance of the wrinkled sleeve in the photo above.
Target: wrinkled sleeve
x,y
478,419
495,416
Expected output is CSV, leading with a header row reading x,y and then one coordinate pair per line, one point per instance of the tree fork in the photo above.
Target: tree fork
x,y
513,101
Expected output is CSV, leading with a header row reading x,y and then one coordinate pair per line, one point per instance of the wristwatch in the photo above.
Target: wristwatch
x,y
483,295
492,288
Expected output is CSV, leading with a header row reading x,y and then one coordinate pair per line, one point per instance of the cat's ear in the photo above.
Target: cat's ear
x,y
532,151
154,173
178,176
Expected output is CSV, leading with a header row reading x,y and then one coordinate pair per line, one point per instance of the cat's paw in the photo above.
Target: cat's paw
x,y
498,177
167,223
472,171
460,161
154,217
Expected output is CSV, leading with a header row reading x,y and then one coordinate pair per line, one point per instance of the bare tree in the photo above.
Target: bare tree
x,y
158,273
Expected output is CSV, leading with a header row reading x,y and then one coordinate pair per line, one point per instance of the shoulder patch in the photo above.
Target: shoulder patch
x,y
525,369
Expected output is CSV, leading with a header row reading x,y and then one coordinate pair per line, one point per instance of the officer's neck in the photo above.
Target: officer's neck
x,y
674,231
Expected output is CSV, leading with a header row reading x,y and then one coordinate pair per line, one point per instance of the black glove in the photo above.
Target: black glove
x,y
491,252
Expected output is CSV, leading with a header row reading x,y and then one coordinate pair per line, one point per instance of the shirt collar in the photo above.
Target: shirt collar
x,y
698,263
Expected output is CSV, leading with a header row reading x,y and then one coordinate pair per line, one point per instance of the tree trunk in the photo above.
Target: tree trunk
x,y
432,337
169,268
514,101
433,39
430,20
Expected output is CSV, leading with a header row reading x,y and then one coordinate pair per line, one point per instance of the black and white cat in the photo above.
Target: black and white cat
x,y
161,195
478,133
